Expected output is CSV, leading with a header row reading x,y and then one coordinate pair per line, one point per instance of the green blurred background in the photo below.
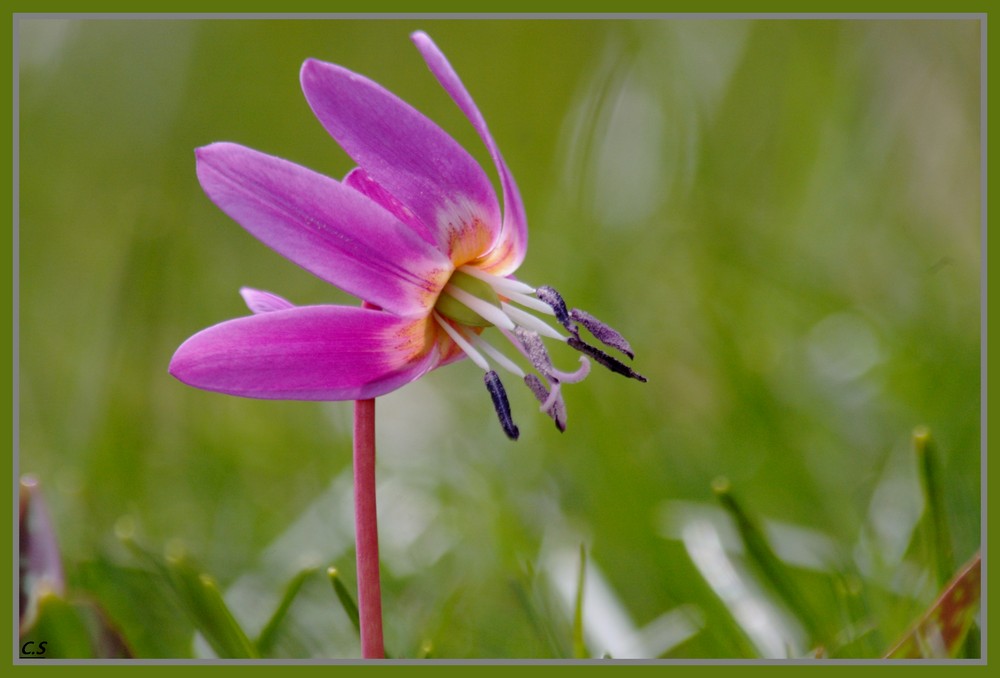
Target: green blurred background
x,y
782,216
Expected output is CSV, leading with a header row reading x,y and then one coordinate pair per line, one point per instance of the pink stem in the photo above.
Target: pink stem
x,y
366,531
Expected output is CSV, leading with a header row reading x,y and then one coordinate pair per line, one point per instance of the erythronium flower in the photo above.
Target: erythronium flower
x,y
416,231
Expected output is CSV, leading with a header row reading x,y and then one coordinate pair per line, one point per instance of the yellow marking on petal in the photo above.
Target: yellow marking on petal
x,y
467,235
446,346
496,260
467,241
412,341
431,290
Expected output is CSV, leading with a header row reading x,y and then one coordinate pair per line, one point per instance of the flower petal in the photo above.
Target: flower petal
x,y
409,156
509,250
308,353
325,227
260,301
361,181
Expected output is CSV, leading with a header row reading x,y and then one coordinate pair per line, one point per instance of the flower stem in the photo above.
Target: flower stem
x,y
366,530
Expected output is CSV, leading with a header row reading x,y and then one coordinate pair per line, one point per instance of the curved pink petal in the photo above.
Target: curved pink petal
x,y
308,353
509,250
409,156
361,181
325,227
260,301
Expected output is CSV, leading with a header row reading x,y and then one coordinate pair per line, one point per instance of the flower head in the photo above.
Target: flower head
x,y
416,231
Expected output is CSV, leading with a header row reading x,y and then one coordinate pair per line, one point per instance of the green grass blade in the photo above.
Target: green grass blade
x,y
345,598
935,522
203,600
59,631
199,596
265,641
767,563
71,629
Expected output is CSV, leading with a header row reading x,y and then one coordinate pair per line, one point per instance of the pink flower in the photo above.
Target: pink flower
x,y
416,231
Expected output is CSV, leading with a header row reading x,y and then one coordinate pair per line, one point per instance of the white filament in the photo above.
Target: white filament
x,y
530,302
473,354
497,282
483,308
494,353
530,322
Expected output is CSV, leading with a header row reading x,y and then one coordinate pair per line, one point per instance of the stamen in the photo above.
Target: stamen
x,y
535,351
537,387
501,359
483,308
604,359
531,322
573,377
555,396
501,404
552,403
529,302
603,332
553,372
497,282
473,354
555,301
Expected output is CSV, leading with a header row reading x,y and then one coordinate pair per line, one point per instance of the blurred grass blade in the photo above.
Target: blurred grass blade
x,y
347,601
71,629
941,631
57,632
763,558
935,523
265,641
579,646
200,597
51,625
540,623
863,638
344,596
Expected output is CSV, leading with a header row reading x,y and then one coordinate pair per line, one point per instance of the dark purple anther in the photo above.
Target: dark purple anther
x,y
501,404
604,333
555,300
537,387
604,359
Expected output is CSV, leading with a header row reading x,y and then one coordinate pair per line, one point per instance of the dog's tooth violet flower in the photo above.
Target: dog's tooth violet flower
x,y
416,231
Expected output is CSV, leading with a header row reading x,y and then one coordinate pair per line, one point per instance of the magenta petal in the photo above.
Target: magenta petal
x,y
307,353
510,249
325,227
260,301
361,181
409,156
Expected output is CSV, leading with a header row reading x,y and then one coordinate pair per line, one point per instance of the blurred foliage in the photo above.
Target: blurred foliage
x,y
782,216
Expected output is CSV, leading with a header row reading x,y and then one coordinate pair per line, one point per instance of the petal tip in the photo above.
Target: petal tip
x,y
209,151
176,368
309,65
310,73
202,152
